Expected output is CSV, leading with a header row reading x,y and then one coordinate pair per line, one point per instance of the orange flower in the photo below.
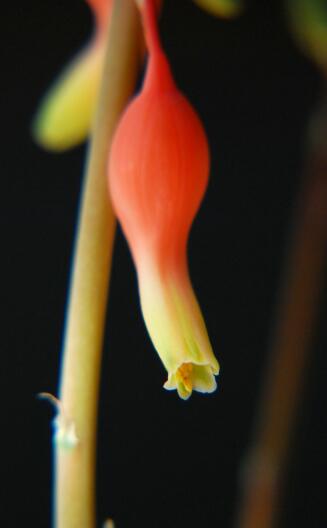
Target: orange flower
x,y
64,117
158,173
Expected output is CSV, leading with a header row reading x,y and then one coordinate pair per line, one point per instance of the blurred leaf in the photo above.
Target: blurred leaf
x,y
309,24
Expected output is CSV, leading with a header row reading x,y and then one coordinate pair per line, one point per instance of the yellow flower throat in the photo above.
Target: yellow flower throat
x,y
183,376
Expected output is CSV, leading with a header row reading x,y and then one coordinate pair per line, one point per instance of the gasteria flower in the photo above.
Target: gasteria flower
x,y
158,173
64,117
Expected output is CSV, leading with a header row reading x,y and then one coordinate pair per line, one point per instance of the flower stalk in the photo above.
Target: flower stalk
x,y
75,465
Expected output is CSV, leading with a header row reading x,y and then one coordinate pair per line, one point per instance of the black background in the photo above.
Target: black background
x,y
162,462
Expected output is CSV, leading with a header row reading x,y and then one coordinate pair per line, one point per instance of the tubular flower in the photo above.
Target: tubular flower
x,y
158,173
64,117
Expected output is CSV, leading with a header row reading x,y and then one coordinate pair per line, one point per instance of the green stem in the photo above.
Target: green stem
x,y
75,466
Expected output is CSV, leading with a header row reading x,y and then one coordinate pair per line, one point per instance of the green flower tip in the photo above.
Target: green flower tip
x,y
64,117
222,8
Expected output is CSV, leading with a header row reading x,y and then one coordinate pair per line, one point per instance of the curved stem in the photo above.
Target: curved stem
x,y
75,465
290,347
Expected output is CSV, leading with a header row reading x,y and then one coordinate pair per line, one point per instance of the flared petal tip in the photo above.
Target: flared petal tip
x,y
189,377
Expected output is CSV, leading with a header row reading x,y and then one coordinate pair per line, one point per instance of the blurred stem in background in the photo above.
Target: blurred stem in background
x,y
299,299
75,455
291,343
